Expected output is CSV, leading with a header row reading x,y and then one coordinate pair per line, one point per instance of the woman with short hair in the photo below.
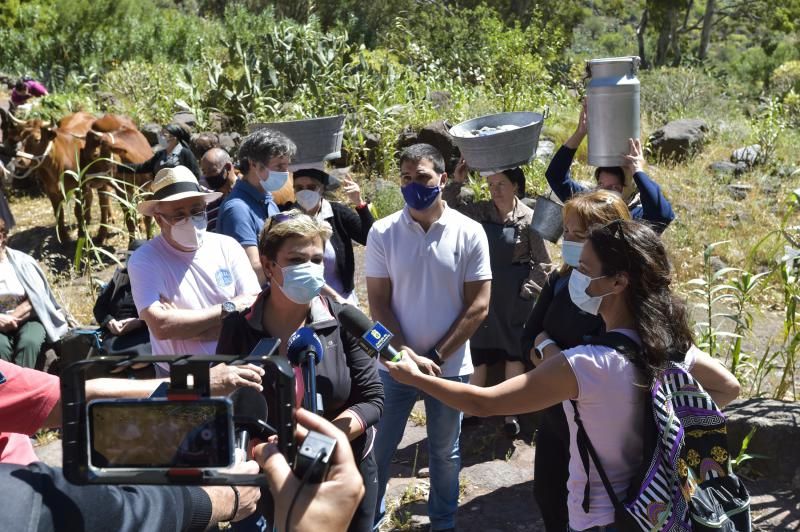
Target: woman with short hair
x,y
291,247
176,150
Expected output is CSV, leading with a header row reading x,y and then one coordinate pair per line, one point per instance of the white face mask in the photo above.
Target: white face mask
x,y
307,199
189,235
571,252
274,181
578,283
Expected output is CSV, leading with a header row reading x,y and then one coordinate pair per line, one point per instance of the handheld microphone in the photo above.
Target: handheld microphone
x,y
250,417
305,351
372,337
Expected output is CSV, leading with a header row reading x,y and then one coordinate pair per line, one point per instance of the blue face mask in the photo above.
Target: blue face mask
x,y
571,252
419,197
302,282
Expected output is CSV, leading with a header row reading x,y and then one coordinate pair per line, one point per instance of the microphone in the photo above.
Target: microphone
x,y
305,350
249,417
372,337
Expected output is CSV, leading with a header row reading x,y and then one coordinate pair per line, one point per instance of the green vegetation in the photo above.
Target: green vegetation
x,y
405,63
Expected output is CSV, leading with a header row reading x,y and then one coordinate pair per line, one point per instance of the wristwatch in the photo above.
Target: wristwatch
x,y
228,308
541,346
434,355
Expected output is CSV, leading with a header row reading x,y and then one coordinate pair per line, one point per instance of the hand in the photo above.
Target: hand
x,y
426,365
244,301
224,379
461,172
634,161
583,120
167,303
332,502
352,191
8,323
114,327
248,495
404,370
529,290
127,325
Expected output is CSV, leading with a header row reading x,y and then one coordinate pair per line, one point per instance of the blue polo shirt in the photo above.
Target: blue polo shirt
x,y
244,211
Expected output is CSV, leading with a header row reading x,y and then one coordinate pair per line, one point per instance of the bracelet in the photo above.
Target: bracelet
x,y
541,346
434,355
235,503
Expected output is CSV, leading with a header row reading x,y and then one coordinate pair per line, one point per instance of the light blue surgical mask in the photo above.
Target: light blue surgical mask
x,y
571,252
578,283
274,181
302,282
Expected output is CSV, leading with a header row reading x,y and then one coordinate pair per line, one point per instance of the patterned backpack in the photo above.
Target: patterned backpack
x,y
686,482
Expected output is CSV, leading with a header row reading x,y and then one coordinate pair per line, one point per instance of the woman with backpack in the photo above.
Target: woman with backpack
x,y
623,275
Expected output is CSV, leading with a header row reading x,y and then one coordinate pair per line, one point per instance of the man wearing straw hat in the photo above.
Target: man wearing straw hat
x,y
186,280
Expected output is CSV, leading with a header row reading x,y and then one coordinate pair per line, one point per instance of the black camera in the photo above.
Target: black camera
x,y
187,437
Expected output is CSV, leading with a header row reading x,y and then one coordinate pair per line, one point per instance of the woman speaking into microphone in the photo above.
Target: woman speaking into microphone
x,y
291,247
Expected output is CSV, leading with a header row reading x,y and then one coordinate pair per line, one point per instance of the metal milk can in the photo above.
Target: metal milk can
x,y
613,108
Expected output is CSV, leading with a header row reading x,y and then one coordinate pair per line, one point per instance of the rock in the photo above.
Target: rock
x,y
739,191
787,171
366,156
220,121
545,150
749,155
185,118
728,168
441,100
423,472
151,132
717,264
229,142
202,142
777,435
437,134
106,101
679,139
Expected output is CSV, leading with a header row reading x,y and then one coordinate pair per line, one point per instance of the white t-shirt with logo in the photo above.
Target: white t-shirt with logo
x,y
428,271
215,273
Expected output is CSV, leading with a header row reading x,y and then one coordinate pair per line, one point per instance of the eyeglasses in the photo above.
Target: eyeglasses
x,y
280,218
197,215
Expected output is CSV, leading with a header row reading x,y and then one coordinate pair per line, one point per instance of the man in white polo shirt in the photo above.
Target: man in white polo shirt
x,y
428,281
186,280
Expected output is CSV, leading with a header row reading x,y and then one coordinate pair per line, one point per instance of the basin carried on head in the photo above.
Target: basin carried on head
x,y
317,139
502,149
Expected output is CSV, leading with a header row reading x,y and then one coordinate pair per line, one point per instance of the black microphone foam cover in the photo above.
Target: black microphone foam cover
x,y
249,403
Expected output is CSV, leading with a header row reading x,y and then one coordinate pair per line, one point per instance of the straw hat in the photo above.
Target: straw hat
x,y
173,184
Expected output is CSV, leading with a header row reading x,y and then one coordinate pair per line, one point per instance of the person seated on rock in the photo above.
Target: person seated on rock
x,y
122,329
175,140
264,158
217,175
348,225
649,204
29,312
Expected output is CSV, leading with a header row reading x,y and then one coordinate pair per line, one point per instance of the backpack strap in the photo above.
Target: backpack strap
x,y
627,346
586,450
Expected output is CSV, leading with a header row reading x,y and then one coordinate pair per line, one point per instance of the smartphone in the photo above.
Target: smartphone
x,y
160,433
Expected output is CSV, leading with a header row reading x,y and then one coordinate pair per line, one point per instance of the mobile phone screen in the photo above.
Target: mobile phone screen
x,y
160,433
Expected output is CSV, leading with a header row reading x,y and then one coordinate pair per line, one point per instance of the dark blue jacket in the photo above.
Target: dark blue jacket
x,y
653,206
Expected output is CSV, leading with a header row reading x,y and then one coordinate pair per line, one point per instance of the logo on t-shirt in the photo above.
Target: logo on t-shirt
x,y
223,277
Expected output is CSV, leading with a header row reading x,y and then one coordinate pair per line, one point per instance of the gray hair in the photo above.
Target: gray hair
x,y
262,145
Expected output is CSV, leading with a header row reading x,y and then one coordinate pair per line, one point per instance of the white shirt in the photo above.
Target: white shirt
x,y
611,406
213,274
11,289
428,271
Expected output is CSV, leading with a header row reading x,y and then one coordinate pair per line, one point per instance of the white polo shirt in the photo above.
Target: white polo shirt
x,y
428,272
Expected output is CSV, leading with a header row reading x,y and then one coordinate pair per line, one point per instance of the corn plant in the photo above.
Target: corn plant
x,y
726,297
